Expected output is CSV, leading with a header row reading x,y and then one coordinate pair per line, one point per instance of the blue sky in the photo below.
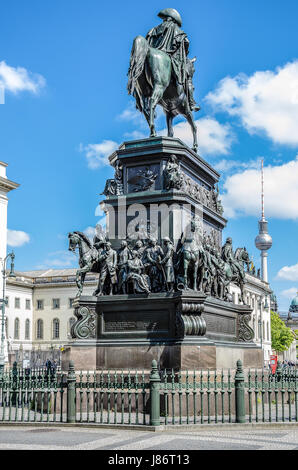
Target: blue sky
x,y
63,65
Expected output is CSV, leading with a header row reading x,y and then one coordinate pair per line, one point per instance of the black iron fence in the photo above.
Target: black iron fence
x,y
153,397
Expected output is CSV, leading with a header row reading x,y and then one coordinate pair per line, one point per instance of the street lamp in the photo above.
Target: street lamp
x,y
261,321
4,302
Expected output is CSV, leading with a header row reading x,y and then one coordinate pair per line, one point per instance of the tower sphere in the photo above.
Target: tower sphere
x,y
263,241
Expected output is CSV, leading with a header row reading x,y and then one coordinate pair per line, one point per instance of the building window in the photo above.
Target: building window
x,y
7,301
71,303
56,304
28,304
27,329
72,321
17,302
17,329
39,329
56,328
40,305
268,332
253,303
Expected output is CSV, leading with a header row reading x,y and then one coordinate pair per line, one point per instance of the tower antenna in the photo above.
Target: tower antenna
x,y
263,241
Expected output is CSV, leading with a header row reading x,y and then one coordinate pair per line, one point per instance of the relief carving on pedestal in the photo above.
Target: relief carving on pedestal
x,y
189,321
245,332
85,326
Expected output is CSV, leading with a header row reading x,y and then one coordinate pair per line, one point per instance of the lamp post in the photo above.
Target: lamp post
x,y
4,302
261,321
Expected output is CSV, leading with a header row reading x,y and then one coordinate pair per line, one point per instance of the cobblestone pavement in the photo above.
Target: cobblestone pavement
x,y
68,438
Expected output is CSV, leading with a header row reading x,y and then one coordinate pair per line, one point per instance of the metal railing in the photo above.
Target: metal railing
x,y
159,397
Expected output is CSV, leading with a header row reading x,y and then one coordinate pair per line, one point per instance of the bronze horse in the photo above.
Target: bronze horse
x,y
88,257
151,83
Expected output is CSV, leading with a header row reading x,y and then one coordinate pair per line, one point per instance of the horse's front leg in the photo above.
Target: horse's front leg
x,y
169,117
80,279
202,273
193,126
157,94
185,266
195,275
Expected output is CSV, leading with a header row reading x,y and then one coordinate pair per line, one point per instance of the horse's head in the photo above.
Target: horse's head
x,y
73,240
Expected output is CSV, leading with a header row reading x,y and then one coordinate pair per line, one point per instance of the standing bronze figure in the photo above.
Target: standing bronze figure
x,y
161,73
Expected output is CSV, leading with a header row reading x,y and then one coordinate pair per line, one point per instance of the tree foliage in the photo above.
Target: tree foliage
x,y
281,336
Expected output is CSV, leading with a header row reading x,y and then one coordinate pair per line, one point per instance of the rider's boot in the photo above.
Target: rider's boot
x,y
192,103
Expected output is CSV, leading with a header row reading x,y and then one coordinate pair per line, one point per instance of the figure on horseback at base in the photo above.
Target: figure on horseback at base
x,y
229,257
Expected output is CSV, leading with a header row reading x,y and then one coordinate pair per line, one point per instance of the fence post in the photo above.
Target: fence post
x,y
15,374
279,371
154,395
239,394
71,393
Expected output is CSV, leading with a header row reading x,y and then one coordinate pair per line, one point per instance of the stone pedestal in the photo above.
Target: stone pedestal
x,y
183,330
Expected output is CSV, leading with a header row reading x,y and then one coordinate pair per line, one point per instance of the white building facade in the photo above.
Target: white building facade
x,y
257,296
39,313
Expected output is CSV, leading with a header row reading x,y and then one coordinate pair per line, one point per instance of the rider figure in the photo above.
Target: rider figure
x,y
228,257
169,38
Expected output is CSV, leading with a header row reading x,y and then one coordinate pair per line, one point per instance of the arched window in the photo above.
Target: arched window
x,y
27,329
16,329
39,329
56,328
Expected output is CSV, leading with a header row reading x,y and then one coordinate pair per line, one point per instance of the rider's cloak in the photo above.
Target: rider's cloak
x,y
169,38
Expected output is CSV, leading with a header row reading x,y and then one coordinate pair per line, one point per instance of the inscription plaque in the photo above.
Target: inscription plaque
x,y
220,324
149,321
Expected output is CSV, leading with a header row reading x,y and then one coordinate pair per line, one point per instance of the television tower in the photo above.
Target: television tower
x,y
263,241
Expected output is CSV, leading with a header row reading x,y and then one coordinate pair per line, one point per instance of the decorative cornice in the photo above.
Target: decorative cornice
x,y
7,185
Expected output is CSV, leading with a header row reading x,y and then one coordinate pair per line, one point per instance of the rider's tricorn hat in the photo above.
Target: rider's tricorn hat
x,y
172,13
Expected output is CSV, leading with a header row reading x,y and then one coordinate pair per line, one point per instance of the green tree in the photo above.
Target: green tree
x,y
281,336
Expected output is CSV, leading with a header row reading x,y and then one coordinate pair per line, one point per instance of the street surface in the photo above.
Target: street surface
x,y
69,438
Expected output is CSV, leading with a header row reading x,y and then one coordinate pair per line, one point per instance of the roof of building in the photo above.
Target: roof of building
x,y
39,273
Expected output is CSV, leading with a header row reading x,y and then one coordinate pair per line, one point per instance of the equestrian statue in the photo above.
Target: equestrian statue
x,y
161,73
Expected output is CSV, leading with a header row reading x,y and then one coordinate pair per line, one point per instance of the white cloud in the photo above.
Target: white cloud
x,y
17,238
129,114
288,273
243,192
59,259
265,101
214,138
90,232
136,135
19,79
289,293
227,165
97,154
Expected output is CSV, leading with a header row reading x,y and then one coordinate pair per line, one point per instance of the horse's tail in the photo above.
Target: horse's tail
x,y
137,60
